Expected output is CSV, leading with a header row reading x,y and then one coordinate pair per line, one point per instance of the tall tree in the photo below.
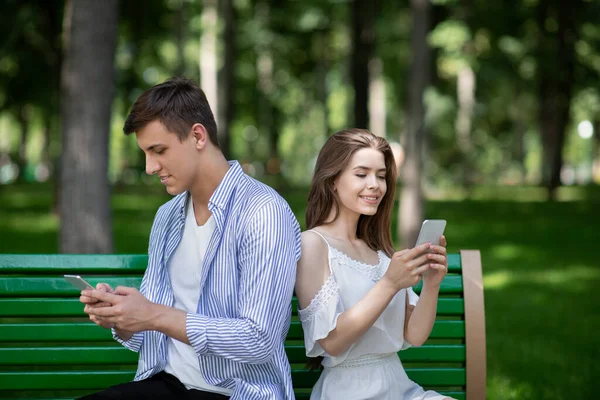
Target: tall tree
x,y
411,200
363,37
556,21
226,106
208,54
87,89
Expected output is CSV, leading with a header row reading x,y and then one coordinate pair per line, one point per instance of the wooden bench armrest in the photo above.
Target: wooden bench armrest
x,y
474,324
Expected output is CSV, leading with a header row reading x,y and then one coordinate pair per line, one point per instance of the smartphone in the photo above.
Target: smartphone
x,y
78,282
431,230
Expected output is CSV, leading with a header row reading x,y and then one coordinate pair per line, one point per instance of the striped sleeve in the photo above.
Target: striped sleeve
x,y
268,255
134,343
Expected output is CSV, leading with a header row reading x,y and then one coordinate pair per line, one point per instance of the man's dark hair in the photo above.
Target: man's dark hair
x,y
177,103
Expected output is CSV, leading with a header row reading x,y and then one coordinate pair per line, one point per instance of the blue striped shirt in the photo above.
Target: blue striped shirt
x,y
246,287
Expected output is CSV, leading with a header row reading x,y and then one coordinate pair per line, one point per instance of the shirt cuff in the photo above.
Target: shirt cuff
x,y
195,329
134,343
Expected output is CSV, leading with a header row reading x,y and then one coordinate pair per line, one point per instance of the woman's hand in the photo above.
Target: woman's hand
x,y
438,264
407,267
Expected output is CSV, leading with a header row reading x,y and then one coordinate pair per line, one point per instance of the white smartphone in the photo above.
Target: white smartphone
x,y
431,230
78,282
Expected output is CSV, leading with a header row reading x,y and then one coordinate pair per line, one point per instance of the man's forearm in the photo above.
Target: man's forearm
x,y
170,321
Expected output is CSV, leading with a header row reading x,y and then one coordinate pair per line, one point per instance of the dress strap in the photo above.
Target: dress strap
x,y
329,249
320,234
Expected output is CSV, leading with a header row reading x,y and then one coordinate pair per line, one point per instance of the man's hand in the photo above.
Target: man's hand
x,y
124,308
95,303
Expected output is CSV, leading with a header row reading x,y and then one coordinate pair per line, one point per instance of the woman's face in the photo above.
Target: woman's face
x,y
361,185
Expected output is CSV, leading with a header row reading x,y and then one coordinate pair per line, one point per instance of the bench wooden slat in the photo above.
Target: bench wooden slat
x,y
89,332
45,380
76,263
56,286
452,284
103,262
55,307
117,354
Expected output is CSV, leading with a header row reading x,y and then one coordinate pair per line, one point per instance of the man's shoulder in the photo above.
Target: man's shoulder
x,y
255,195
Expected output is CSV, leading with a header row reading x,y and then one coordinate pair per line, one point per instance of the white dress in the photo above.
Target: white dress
x,y
370,368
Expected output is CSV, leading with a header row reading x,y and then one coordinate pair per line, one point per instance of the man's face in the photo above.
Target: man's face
x,y
173,161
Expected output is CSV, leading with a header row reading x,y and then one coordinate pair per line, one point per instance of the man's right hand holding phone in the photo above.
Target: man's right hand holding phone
x,y
95,303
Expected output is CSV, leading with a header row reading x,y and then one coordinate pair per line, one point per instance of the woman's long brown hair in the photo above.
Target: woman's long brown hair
x,y
334,157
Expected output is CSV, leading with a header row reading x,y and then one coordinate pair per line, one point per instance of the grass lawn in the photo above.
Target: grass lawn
x,y
541,274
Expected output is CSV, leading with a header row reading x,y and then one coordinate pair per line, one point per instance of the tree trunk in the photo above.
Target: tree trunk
x,y
412,208
180,36
226,107
465,91
208,55
87,86
555,86
322,69
363,35
24,116
377,103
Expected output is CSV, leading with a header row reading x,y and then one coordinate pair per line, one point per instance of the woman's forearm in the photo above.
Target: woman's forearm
x,y
422,318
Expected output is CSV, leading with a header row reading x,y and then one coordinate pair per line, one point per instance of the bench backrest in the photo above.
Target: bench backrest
x,y
50,350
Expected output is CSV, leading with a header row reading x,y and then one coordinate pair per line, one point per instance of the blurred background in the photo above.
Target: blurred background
x,y
494,108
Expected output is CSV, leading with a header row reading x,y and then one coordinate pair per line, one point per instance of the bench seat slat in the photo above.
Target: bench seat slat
x,y
55,286
116,354
89,332
48,380
104,262
77,263
58,307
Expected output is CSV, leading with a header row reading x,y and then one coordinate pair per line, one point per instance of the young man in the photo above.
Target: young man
x,y
215,302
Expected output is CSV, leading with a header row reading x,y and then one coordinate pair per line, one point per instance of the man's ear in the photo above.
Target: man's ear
x,y
200,136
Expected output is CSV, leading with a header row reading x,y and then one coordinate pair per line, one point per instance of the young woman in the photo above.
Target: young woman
x,y
356,303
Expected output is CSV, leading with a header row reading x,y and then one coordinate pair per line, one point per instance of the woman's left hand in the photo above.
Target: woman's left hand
x,y
438,266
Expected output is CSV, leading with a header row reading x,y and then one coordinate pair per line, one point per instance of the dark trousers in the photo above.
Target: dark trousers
x,y
159,386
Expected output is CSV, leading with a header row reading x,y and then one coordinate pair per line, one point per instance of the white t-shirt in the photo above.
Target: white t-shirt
x,y
185,270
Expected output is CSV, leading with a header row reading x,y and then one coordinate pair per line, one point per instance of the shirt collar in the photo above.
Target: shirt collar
x,y
220,198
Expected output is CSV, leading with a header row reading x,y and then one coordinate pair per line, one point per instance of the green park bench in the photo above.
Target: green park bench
x,y
50,350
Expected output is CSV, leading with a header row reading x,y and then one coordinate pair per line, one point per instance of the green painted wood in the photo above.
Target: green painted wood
x,y
56,286
454,264
452,284
54,332
56,307
67,355
87,331
48,380
10,263
45,307
77,263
